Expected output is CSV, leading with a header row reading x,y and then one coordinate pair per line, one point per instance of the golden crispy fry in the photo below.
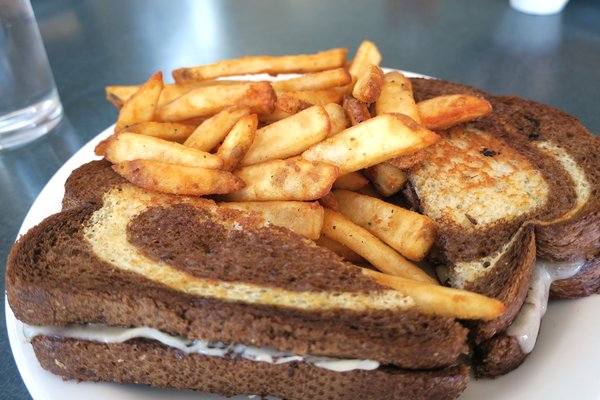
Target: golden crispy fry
x,y
178,179
142,105
366,55
397,97
359,240
211,132
118,95
127,146
292,179
275,116
318,80
329,201
208,100
172,131
372,142
339,249
353,181
337,118
369,190
409,233
272,65
294,102
386,178
237,142
289,137
442,112
440,300
408,160
356,110
368,85
303,218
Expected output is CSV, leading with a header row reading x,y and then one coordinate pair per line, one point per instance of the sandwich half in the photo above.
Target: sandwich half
x,y
126,285
516,197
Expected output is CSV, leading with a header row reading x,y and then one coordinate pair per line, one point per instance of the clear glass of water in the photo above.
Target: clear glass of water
x,y
29,102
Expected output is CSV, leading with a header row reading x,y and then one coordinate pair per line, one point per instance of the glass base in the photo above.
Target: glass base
x,y
22,126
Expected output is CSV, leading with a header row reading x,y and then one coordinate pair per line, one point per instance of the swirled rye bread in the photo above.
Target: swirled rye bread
x,y
119,256
518,184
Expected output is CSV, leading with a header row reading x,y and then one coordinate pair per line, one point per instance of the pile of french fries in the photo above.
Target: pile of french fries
x,y
315,153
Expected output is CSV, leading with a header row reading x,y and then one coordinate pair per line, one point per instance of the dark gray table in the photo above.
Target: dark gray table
x,y
92,44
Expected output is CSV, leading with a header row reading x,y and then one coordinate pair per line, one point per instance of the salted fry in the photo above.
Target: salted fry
x,y
386,178
442,112
273,65
132,146
339,249
408,160
208,100
142,105
372,142
337,118
289,137
237,142
275,116
292,179
359,240
440,300
178,179
409,233
303,218
367,54
368,85
118,95
353,181
356,110
397,97
294,102
211,132
318,80
172,131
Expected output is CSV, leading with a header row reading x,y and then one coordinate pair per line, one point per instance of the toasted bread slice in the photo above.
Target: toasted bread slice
x,y
524,173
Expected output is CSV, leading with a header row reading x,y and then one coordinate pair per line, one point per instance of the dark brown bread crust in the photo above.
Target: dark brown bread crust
x,y
165,367
497,356
53,278
584,283
87,184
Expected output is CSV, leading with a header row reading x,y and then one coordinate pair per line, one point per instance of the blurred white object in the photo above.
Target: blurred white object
x,y
539,7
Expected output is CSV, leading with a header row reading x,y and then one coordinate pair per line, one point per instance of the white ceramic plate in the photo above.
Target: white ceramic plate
x,y
564,364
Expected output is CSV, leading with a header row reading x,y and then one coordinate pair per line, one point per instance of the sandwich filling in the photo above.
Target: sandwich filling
x,y
112,334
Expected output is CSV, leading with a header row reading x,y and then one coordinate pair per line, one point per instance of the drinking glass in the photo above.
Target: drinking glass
x,y
29,102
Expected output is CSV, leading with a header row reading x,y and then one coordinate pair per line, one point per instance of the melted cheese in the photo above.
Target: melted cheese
x,y
111,334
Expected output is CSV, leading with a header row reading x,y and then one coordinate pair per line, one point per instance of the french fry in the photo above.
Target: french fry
x,y
407,161
386,178
442,112
142,105
318,80
339,249
211,132
178,179
353,181
118,95
289,137
337,118
294,102
172,131
368,85
442,301
372,142
367,54
237,142
359,240
208,100
127,146
303,218
356,110
292,179
397,97
273,65
329,201
369,190
275,116
409,233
